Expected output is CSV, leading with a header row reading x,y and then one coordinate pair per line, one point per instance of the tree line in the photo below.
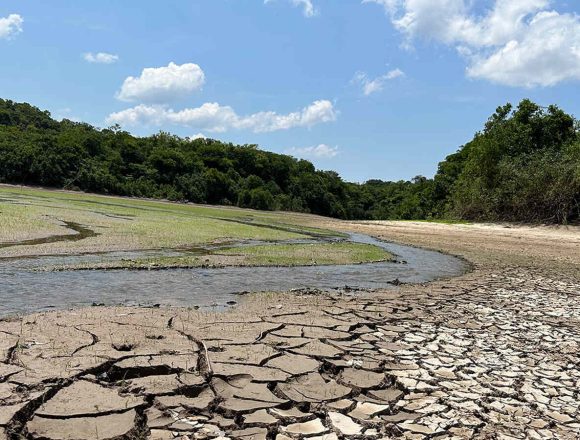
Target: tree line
x,y
523,166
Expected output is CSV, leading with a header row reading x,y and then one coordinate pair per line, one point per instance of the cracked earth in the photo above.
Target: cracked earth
x,y
492,354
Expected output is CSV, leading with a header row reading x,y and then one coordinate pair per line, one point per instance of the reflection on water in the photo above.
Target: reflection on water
x,y
23,290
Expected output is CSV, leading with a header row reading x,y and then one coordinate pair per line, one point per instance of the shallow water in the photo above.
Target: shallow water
x,y
23,290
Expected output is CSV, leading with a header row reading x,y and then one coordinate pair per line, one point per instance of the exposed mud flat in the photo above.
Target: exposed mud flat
x,y
491,354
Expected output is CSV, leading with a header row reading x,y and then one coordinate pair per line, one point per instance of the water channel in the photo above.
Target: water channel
x,y
25,289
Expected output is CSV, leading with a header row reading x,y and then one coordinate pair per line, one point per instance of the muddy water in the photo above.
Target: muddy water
x,y
24,290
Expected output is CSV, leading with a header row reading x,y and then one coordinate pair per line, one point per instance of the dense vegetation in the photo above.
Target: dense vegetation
x,y
524,166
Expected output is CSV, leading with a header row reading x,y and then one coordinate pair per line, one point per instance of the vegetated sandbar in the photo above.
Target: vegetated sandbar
x,y
42,222
489,354
273,255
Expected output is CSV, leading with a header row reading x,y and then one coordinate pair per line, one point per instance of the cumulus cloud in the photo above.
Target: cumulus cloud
x,y
214,117
100,58
10,26
162,84
547,55
321,151
307,6
197,136
370,86
515,42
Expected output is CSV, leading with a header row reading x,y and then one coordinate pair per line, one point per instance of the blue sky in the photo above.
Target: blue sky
x,y
373,89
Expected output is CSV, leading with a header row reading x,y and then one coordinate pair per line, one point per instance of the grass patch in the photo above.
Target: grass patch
x,y
149,263
132,224
261,255
309,254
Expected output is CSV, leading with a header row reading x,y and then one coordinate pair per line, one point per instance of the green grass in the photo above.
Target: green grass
x,y
151,263
309,254
130,224
262,255
138,224
20,222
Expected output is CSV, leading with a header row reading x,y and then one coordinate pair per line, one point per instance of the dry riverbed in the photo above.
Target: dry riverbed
x,y
491,354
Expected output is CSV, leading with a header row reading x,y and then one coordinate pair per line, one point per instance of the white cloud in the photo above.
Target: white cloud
x,y
198,136
395,73
370,86
100,58
214,117
547,55
307,6
162,84
10,26
516,42
321,151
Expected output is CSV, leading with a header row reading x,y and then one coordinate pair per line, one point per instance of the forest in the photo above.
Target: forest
x,y
523,166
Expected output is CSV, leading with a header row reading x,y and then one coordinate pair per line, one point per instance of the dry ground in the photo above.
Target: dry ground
x,y
492,354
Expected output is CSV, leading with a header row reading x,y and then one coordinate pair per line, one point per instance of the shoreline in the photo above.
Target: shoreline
x,y
491,352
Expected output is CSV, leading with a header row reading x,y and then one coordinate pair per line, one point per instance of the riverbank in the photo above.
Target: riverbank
x,y
490,354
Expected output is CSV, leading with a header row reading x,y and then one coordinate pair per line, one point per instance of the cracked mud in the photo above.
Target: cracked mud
x,y
492,354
